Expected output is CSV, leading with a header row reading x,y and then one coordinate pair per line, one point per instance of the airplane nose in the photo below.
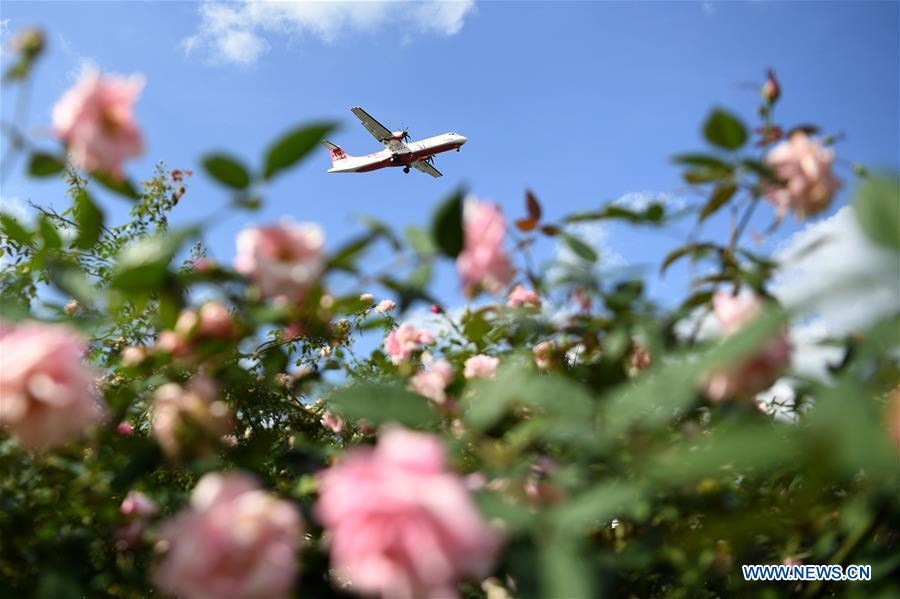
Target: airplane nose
x,y
463,139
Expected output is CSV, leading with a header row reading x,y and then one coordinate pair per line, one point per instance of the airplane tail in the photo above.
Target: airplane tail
x,y
337,153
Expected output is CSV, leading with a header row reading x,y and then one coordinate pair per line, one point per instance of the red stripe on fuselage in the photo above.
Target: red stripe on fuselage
x,y
409,158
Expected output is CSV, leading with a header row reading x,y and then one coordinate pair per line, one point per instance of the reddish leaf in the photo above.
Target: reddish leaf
x,y
533,206
526,224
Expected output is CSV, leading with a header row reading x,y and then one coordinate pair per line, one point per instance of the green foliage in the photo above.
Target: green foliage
x,y
447,225
379,404
45,165
289,149
724,130
227,171
878,211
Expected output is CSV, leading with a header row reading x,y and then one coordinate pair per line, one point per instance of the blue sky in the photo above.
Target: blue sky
x,y
582,102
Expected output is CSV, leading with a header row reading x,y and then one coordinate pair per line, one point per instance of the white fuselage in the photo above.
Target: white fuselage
x,y
403,155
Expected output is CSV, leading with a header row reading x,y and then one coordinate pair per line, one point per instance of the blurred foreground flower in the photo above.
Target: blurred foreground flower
x,y
46,390
483,263
385,306
432,381
400,523
234,541
804,166
95,119
402,342
522,297
753,374
138,504
283,259
480,366
189,418
332,422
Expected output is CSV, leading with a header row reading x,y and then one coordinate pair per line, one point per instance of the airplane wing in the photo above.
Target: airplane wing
x,y
425,167
378,131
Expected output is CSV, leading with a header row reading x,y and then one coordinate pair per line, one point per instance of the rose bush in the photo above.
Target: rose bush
x,y
565,436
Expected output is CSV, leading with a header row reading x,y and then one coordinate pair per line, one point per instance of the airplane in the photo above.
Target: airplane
x,y
397,152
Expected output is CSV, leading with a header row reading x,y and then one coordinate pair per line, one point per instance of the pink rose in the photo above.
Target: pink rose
x,y
367,298
520,296
125,429
95,119
234,541
332,422
400,523
138,504
216,321
172,343
132,356
46,390
188,417
753,374
385,306
71,307
480,366
431,382
283,259
403,341
544,354
805,168
483,264
205,264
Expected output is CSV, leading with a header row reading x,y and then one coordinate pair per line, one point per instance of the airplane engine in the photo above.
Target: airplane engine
x,y
400,135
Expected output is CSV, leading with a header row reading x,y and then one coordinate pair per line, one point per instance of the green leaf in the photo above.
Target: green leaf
x,y
878,210
49,234
704,160
292,147
654,214
71,280
382,230
706,175
227,171
13,230
724,130
345,256
42,164
695,250
518,384
719,197
143,265
760,168
564,569
89,219
447,225
420,241
581,249
379,403
123,186
476,328
596,507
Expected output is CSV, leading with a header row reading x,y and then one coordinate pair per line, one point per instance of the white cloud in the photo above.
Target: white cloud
x,y
79,62
849,282
596,235
239,32
640,200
